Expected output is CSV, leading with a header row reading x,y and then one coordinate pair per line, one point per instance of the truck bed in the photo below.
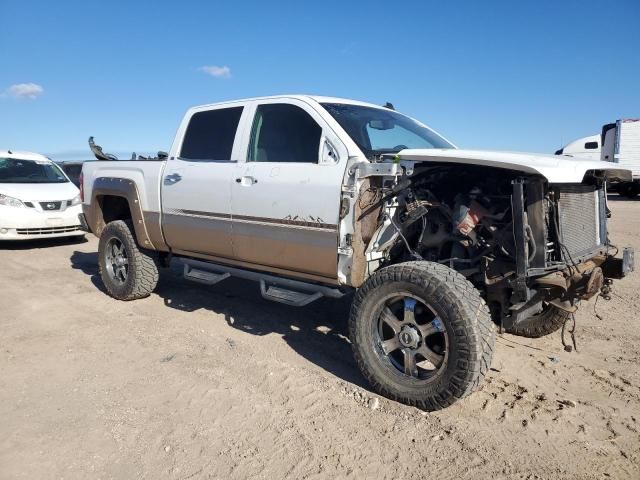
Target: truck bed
x,y
141,172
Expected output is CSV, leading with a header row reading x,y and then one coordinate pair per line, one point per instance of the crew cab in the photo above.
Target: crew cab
x,y
316,196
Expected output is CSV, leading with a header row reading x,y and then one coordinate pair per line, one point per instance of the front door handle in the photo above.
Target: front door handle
x,y
246,180
172,178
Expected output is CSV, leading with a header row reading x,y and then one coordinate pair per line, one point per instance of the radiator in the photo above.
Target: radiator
x,y
580,208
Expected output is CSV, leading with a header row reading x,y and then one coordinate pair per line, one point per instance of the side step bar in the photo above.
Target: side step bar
x,y
200,276
278,289
286,296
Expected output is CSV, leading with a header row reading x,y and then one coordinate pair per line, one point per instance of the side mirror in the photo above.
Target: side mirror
x,y
329,154
163,155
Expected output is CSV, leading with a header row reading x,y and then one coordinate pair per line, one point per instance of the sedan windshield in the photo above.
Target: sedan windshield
x,y
16,170
380,130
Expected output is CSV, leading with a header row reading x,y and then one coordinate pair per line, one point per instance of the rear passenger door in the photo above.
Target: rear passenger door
x,y
286,192
195,188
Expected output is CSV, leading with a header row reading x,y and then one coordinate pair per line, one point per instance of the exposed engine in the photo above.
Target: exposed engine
x,y
522,242
454,215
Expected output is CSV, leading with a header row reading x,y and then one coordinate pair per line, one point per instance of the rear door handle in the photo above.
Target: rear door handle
x,y
246,180
172,178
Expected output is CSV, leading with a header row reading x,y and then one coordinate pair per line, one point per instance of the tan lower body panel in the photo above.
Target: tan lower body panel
x,y
305,249
202,233
301,249
154,230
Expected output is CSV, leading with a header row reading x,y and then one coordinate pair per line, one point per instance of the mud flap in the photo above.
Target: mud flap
x,y
84,226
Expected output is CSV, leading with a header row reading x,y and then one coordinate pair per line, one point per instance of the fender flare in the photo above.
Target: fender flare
x,y
123,188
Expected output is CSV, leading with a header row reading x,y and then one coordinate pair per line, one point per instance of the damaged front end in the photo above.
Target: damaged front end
x,y
523,242
562,249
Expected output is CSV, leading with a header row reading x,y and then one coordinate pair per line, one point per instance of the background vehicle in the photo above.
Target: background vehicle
x,y
37,200
317,196
72,170
587,148
621,145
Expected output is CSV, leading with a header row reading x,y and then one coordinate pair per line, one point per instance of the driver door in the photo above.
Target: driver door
x,y
286,192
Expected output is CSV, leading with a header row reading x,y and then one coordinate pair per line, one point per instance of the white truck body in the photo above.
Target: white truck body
x,y
222,209
317,196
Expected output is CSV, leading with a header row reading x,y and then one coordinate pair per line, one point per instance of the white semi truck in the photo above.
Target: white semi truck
x,y
586,148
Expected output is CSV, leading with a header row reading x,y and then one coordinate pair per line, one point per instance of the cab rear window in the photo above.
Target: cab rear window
x,y
210,135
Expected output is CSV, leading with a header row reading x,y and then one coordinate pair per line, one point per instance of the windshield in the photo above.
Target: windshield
x,y
16,170
378,130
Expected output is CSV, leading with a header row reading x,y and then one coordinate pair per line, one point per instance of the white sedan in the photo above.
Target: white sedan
x,y
37,200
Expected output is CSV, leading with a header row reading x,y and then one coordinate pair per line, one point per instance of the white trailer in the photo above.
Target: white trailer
x,y
621,144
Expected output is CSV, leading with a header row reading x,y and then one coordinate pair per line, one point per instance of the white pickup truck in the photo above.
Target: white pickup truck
x,y
316,196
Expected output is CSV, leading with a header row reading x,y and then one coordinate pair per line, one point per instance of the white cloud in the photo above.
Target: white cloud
x,y
215,71
21,91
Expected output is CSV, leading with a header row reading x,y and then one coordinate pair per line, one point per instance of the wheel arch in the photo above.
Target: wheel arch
x,y
119,199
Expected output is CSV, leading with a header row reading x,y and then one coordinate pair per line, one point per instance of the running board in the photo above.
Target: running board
x,y
286,296
202,276
277,289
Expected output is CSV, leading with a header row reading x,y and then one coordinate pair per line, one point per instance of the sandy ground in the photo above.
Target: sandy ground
x,y
214,382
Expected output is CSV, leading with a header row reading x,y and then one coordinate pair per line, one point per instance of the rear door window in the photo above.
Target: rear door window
x,y
210,135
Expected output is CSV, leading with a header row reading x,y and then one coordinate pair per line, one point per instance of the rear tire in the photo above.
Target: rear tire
x,y
128,273
629,190
633,191
444,323
544,323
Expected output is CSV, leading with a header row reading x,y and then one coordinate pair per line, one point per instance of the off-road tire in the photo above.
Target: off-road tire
x,y
629,190
632,192
142,275
544,323
466,320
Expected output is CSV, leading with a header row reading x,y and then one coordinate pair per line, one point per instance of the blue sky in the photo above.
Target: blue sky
x,y
526,76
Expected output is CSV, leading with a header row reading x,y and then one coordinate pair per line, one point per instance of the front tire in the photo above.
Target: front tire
x,y
544,323
128,273
421,334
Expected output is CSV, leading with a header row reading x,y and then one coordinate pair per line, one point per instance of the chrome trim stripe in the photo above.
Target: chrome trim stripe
x,y
197,214
286,222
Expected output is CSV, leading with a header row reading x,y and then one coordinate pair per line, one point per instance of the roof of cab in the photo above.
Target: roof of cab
x,y
316,98
23,155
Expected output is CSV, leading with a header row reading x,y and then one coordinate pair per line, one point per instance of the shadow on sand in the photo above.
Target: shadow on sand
x,y
41,243
318,332
614,197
